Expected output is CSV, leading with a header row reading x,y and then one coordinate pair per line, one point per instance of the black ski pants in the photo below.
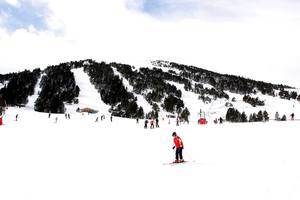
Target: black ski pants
x,y
178,153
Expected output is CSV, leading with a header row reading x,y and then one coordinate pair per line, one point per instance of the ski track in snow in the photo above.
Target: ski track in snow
x,y
3,84
88,97
33,98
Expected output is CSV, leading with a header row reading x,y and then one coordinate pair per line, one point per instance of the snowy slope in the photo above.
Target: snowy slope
x,y
3,84
33,98
80,159
141,101
88,95
217,108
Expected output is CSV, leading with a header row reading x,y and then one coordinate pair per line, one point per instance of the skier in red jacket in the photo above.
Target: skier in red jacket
x,y
179,147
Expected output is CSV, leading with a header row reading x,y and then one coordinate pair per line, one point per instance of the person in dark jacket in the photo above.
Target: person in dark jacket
x,y
221,120
146,124
152,123
292,116
157,125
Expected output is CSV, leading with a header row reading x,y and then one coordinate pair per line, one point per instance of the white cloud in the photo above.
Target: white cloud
x,y
13,2
264,46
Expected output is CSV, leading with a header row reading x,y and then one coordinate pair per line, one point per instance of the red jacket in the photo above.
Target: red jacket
x,y
178,142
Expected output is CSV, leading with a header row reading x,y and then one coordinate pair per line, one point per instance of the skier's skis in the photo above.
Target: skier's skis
x,y
178,163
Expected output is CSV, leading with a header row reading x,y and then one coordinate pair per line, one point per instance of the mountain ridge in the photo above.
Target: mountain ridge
x,y
158,84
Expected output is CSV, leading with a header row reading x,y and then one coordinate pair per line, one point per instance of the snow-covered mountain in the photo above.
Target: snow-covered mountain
x,y
84,157
155,89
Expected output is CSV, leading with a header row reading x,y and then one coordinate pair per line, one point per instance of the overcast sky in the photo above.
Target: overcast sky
x,y
259,39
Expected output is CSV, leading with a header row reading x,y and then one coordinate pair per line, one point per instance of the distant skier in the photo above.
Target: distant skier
x,y
292,116
137,120
97,119
146,124
221,120
111,118
49,115
17,116
69,116
102,117
66,115
177,121
179,147
152,123
157,125
56,119
277,118
216,121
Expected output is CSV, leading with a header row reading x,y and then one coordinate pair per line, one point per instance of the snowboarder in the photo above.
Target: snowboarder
x,y
157,125
292,116
178,144
146,124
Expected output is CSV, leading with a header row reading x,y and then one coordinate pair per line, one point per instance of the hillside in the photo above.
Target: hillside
x,y
158,88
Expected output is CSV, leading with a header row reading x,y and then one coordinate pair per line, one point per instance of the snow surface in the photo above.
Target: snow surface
x,y
33,98
80,159
3,84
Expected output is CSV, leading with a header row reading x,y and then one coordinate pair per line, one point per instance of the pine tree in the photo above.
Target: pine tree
x,y
244,117
233,115
140,113
266,116
251,118
185,114
260,116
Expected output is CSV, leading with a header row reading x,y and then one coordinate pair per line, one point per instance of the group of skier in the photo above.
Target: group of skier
x,y
67,116
102,117
218,121
283,118
153,123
